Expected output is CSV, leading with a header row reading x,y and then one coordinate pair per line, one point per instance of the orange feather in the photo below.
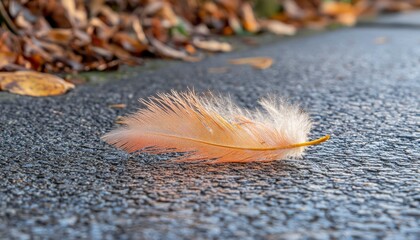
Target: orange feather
x,y
214,129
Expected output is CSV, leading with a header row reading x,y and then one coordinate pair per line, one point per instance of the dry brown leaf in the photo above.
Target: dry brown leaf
x,y
76,13
152,7
81,38
229,5
257,62
7,22
167,51
102,30
248,19
278,27
138,29
336,8
95,6
110,17
344,12
348,19
7,58
201,29
129,43
33,84
234,24
60,35
212,45
395,6
70,7
118,51
22,23
167,13
190,49
293,9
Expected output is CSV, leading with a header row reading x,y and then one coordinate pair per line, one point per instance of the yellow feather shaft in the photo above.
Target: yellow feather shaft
x,y
296,145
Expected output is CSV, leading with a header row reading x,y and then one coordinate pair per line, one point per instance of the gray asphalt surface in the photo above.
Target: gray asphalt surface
x,y
59,181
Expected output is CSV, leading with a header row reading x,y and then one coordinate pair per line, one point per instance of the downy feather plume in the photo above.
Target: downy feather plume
x,y
214,129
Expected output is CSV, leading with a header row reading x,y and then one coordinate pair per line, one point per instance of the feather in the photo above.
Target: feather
x,y
214,129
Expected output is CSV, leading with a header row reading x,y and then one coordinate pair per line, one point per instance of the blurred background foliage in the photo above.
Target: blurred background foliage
x,y
81,35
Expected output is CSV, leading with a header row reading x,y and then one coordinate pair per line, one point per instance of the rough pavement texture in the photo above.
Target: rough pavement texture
x,y
58,180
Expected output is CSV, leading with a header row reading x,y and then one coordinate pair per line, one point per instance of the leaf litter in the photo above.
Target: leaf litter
x,y
77,35
70,36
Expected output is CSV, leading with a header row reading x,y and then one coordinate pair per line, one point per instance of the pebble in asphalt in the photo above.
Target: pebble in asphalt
x,y
58,180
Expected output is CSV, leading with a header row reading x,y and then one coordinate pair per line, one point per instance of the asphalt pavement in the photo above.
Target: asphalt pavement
x,y
58,180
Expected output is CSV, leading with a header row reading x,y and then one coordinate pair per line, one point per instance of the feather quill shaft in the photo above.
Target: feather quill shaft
x,y
215,129
303,144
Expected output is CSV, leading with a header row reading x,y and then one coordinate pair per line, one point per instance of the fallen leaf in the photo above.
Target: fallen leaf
x,y
7,58
152,7
257,62
167,51
70,7
348,19
33,84
278,27
293,9
129,43
235,24
118,105
124,55
95,6
395,6
21,22
229,5
248,18
336,8
102,30
5,15
212,45
109,16
138,29
76,13
201,29
189,48
167,13
58,35
344,12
